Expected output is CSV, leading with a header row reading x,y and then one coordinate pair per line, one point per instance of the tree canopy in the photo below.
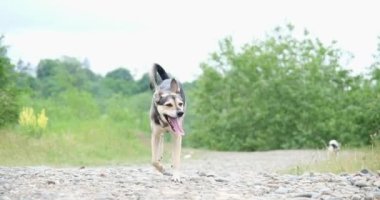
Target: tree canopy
x,y
281,92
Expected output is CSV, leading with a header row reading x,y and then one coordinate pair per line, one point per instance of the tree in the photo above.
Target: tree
x,y
120,74
8,93
60,75
120,81
281,92
24,80
371,113
142,84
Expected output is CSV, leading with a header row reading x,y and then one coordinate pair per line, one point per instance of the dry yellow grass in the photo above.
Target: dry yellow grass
x,y
351,160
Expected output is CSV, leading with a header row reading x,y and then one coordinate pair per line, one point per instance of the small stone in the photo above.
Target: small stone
x,y
364,171
344,174
361,183
201,173
165,173
306,195
356,197
51,182
325,191
210,174
302,198
376,183
282,190
220,180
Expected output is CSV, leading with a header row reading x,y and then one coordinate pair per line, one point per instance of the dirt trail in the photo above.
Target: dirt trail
x,y
210,175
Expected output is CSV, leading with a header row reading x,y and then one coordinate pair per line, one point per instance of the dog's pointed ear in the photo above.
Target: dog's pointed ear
x,y
174,86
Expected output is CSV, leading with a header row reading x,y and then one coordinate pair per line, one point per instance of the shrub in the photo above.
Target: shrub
x,y
280,93
32,124
8,107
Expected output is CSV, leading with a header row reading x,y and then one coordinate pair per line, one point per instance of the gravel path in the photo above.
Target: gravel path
x,y
213,175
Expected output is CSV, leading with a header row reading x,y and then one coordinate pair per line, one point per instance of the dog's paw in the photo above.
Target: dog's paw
x,y
159,167
176,177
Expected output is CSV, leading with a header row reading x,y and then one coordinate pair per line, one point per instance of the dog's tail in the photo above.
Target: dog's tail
x,y
154,80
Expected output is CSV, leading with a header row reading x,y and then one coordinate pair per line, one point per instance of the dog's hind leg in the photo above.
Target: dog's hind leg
x,y
176,156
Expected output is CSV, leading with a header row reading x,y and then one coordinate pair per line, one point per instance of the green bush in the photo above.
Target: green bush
x,y
70,105
8,107
116,108
282,92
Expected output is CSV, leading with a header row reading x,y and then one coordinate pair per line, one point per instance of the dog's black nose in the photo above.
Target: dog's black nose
x,y
179,113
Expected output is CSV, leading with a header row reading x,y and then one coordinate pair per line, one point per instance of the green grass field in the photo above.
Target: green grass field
x,y
95,142
113,140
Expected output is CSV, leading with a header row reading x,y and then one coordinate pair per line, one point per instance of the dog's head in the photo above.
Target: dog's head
x,y
170,105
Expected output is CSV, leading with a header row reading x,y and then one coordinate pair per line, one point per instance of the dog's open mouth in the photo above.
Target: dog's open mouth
x,y
175,124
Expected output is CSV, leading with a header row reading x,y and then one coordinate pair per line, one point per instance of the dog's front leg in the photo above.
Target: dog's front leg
x,y
157,149
176,156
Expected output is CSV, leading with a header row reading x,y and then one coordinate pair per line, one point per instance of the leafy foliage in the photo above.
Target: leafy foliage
x,y
8,93
57,76
281,92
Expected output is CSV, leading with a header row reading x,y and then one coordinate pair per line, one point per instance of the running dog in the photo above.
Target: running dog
x,y
166,115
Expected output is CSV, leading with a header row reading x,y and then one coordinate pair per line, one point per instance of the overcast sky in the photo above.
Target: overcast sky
x,y
177,34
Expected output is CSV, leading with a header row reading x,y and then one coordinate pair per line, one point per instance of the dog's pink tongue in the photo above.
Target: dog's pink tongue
x,y
177,126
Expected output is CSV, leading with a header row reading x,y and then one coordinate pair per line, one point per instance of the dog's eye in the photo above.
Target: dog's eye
x,y
180,104
169,105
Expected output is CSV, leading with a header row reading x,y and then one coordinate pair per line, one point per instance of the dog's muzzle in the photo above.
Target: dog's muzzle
x,y
180,113
176,123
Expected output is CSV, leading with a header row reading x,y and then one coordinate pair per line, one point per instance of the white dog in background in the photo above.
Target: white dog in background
x,y
333,149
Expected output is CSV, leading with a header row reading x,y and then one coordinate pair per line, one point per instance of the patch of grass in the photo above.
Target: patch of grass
x,y
347,161
94,142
